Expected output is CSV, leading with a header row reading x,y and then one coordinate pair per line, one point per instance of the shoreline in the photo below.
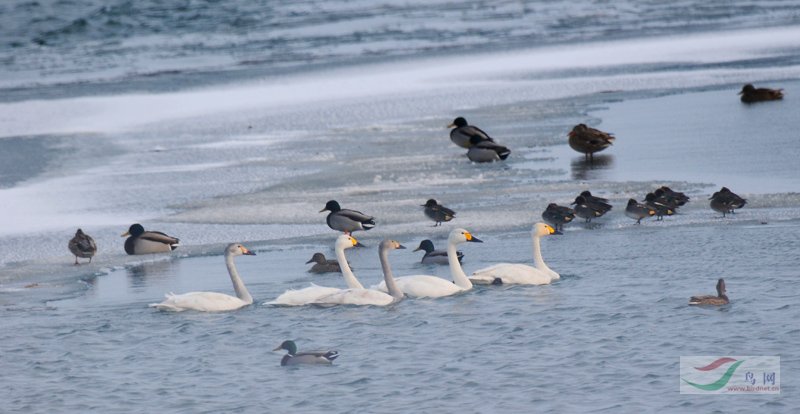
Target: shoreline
x,y
532,124
556,187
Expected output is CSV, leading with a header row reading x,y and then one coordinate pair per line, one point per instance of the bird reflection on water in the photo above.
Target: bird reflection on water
x,y
583,169
140,274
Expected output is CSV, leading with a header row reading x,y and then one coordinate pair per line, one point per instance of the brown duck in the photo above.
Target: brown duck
x,y
82,245
588,140
720,299
751,94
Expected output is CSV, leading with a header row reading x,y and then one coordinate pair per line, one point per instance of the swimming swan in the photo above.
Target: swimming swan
x,y
425,286
517,273
213,301
310,294
370,296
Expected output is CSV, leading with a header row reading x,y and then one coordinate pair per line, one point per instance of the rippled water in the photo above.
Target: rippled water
x,y
607,337
62,42
254,153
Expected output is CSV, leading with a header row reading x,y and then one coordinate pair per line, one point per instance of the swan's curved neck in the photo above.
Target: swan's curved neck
x,y
538,261
347,273
238,285
456,272
388,277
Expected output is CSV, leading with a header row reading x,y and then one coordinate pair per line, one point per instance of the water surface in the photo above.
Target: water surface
x,y
136,112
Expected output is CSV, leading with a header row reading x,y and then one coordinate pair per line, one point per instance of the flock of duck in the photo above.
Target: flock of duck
x,y
481,148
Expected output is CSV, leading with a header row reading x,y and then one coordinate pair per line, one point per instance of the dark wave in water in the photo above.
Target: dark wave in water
x,y
69,41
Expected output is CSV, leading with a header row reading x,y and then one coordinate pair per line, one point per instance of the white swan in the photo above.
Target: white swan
x,y
517,273
213,301
310,294
425,286
370,296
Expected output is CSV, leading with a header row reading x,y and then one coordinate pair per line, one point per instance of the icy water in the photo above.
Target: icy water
x,y
136,112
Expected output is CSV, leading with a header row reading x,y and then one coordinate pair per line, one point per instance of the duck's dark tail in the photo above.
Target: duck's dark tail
x,y
503,152
331,355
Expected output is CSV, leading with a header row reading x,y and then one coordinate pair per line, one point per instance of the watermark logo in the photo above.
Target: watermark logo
x,y
730,375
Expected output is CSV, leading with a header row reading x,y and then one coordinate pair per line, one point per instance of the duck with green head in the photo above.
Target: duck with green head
x,y
305,358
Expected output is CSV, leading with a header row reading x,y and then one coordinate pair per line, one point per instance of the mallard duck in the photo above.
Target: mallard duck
x,y
751,94
146,242
638,211
433,256
323,265
587,140
213,301
720,299
305,358
662,209
346,220
557,216
437,212
725,201
462,133
486,151
82,245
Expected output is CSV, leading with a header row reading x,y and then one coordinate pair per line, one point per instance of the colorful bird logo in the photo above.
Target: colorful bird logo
x,y
723,380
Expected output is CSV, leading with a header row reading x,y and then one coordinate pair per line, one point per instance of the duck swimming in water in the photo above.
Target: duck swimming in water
x,y
305,358
720,299
147,242
323,265
751,94
433,256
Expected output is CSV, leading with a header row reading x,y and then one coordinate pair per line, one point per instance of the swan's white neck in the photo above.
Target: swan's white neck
x,y
388,277
538,261
349,277
456,272
238,285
